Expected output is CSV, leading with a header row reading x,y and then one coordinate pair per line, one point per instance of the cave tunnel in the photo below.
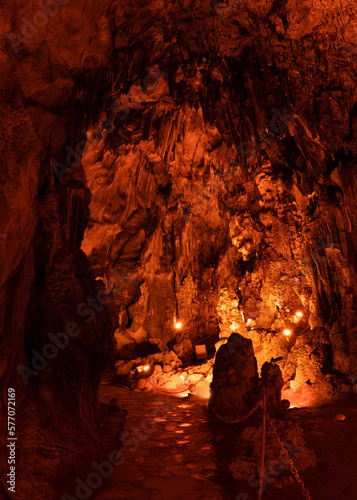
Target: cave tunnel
x,y
178,313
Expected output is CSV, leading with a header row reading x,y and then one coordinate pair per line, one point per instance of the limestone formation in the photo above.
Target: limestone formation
x,y
235,385
165,159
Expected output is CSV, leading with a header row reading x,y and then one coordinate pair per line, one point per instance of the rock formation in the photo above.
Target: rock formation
x,y
198,158
272,383
235,386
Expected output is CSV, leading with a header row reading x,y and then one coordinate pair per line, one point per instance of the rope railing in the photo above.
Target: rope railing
x,y
238,419
216,330
287,456
266,417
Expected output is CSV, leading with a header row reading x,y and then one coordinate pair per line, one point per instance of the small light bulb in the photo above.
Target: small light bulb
x,y
287,332
299,314
178,325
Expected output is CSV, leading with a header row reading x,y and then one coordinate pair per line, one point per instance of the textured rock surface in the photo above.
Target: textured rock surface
x,y
225,184
44,275
273,383
248,454
220,161
235,386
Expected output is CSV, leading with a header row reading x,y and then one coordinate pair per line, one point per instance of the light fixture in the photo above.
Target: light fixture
x,y
178,325
287,332
299,314
145,370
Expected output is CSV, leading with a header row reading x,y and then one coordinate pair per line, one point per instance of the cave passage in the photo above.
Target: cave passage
x,y
173,447
178,275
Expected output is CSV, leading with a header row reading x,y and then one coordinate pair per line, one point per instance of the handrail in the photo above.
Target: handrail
x,y
208,336
213,329
201,324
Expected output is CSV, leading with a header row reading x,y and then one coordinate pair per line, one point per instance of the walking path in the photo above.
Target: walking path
x,y
174,450
167,452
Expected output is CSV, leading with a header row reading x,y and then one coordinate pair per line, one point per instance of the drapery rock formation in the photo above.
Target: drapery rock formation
x,y
218,178
224,184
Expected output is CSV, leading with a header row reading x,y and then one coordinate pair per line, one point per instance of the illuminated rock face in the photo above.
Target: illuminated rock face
x,y
224,184
219,178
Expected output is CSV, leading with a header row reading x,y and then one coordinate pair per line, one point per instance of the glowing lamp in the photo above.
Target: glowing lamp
x,y
287,332
145,371
299,314
178,325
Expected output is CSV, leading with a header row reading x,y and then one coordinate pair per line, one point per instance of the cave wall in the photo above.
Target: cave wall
x,y
218,179
45,278
224,182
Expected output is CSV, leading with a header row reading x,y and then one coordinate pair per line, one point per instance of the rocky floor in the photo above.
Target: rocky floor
x,y
174,450
172,458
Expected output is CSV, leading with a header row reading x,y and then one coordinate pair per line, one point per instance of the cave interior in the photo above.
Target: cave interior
x,y
178,283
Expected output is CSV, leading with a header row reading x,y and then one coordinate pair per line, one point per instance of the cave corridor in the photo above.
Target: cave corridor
x,y
178,277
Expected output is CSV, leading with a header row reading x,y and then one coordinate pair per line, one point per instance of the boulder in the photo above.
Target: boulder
x,y
247,454
126,347
140,335
141,383
184,350
123,368
170,358
235,386
273,383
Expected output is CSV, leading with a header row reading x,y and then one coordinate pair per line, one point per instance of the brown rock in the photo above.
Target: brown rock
x,y
273,383
234,387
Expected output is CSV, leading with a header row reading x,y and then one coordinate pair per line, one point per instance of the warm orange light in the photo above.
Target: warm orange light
x,y
181,376
143,368
178,325
249,321
299,314
287,332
